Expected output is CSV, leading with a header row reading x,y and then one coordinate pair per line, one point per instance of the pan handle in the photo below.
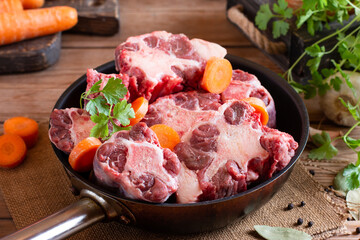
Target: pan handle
x,y
67,221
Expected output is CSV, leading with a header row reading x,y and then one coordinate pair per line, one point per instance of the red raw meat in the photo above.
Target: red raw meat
x,y
93,76
68,127
244,85
224,154
182,110
135,163
163,62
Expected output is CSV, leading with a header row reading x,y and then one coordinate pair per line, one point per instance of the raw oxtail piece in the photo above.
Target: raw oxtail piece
x,y
245,85
222,155
68,127
182,110
134,162
163,63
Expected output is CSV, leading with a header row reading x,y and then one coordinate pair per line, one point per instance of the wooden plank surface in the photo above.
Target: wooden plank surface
x,y
34,94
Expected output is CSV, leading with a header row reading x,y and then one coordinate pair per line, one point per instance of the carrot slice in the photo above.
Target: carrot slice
x,y
167,136
17,26
12,150
10,6
27,4
82,155
140,106
217,75
260,107
26,128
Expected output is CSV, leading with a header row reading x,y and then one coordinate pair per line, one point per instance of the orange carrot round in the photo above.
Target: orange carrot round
x,y
217,75
26,128
17,26
140,106
28,4
10,6
167,136
12,150
260,107
82,155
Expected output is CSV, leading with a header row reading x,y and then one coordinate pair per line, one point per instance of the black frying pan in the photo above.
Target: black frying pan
x,y
99,204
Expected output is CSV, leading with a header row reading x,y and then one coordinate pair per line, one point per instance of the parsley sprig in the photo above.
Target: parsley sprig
x,y
107,108
316,15
280,12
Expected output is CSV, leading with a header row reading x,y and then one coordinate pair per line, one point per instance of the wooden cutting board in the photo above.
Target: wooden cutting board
x,y
99,17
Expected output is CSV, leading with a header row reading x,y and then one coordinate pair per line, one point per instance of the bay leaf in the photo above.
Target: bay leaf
x,y
353,203
280,233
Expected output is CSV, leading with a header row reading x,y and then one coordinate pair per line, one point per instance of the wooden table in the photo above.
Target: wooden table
x,y
34,94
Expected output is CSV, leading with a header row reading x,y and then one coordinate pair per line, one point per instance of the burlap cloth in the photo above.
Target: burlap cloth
x,y
40,187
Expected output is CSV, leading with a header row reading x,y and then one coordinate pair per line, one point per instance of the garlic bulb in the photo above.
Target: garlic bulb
x,y
332,106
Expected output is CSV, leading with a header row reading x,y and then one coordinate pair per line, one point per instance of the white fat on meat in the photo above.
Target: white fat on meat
x,y
236,142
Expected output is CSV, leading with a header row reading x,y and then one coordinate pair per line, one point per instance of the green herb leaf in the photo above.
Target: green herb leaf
x,y
340,182
279,233
97,105
263,16
114,90
352,175
303,18
280,28
101,129
107,106
325,150
123,111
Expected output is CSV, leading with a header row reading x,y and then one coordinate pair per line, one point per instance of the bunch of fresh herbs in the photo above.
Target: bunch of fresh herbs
x,y
316,15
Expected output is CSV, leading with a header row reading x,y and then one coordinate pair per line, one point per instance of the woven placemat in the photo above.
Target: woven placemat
x,y
40,187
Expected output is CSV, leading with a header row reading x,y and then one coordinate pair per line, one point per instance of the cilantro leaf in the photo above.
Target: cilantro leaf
x,y
352,174
351,142
97,105
94,88
280,28
101,129
123,111
263,16
354,110
326,149
107,106
336,83
114,90
303,18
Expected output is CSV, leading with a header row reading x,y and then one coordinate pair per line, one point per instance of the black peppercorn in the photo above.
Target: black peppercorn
x,y
349,219
358,230
310,223
331,186
302,204
326,190
300,221
290,206
312,172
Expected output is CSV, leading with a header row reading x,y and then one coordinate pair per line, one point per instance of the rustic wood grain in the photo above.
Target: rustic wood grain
x,y
204,19
34,94
30,55
6,227
99,17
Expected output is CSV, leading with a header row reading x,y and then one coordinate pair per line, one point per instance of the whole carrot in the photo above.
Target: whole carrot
x,y
33,23
10,6
27,4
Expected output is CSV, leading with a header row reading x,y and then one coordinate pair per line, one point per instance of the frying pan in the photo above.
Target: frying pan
x,y
98,204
